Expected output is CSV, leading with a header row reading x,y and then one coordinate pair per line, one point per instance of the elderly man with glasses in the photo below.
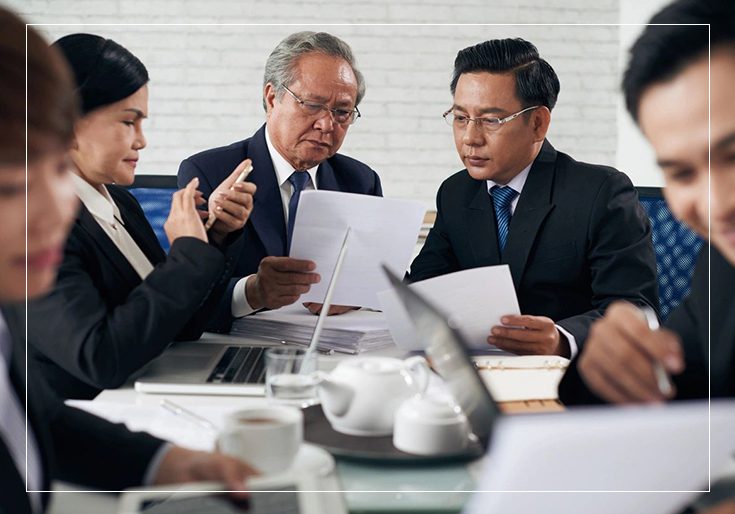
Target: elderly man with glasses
x,y
311,91
573,234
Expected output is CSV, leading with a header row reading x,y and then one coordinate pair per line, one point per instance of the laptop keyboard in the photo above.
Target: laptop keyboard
x,y
240,365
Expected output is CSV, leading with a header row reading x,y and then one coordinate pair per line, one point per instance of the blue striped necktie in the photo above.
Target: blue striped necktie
x,y
502,198
298,180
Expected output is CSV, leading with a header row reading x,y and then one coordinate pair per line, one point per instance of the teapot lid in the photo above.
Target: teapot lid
x,y
434,407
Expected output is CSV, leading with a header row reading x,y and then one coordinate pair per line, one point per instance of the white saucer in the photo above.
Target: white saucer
x,y
311,460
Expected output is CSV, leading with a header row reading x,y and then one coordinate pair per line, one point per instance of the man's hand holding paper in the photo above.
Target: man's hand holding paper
x,y
529,335
280,281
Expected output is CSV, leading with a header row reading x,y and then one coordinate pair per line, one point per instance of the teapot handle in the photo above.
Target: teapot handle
x,y
419,370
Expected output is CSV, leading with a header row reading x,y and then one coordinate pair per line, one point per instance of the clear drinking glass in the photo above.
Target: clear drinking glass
x,y
290,376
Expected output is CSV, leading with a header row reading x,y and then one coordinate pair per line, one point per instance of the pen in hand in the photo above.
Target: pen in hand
x,y
240,178
662,378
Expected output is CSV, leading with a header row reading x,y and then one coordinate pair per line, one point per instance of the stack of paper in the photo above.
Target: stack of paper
x,y
352,332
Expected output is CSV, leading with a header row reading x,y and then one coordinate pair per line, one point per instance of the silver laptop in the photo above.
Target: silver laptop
x,y
222,368
202,367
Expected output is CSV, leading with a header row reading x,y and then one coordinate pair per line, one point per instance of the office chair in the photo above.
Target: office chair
x,y
154,193
676,249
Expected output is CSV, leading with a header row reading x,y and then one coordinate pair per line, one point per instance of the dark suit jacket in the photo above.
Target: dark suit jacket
x,y
74,445
578,240
690,322
101,323
265,232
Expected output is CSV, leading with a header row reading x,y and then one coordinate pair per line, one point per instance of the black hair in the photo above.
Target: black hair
x,y
663,51
105,71
536,81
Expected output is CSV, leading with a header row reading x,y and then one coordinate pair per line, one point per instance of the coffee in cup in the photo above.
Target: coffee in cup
x,y
267,438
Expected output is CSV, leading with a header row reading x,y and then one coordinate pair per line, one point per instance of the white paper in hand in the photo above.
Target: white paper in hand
x,y
474,299
384,230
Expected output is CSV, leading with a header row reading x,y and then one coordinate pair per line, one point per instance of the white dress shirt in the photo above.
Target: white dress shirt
x,y
517,184
101,206
13,425
240,306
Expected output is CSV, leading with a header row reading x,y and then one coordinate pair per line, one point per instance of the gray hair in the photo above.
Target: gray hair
x,y
279,68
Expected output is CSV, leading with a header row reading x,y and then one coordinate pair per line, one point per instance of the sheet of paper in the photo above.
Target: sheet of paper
x,y
384,231
474,300
160,422
656,448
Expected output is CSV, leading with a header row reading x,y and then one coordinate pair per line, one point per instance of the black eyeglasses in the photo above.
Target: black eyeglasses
x,y
341,116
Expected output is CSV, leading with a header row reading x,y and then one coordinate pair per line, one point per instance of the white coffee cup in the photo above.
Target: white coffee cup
x,y
267,438
430,425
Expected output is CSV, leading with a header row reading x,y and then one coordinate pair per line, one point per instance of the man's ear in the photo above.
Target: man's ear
x,y
269,97
78,126
540,121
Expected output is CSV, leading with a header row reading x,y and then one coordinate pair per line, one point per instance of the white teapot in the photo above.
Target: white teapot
x,y
361,395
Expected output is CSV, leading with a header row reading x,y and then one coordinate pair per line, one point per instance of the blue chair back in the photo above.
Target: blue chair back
x,y
154,193
676,249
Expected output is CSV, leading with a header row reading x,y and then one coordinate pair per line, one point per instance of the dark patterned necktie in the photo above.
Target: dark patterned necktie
x,y
502,199
298,180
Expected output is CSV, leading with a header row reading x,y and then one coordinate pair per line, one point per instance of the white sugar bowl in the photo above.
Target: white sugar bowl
x,y
431,424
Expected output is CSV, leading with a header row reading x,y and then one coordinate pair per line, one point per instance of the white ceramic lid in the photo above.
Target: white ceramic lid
x,y
432,409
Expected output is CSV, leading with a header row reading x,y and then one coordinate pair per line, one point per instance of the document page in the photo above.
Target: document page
x,y
637,460
473,300
159,422
383,231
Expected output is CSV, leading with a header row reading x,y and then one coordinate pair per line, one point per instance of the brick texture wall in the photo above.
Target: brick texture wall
x,y
206,79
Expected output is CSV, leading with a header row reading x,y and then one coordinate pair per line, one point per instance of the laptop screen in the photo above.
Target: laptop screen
x,y
449,357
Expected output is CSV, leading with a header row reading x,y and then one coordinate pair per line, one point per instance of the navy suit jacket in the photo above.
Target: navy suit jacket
x,y
265,231
577,241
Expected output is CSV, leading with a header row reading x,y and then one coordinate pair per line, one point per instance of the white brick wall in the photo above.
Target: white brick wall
x,y
206,80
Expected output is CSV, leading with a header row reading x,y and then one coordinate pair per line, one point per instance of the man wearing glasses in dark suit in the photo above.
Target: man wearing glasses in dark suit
x,y
573,234
312,88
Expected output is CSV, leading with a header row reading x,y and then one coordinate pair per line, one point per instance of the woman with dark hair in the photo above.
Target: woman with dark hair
x,y
119,299
58,442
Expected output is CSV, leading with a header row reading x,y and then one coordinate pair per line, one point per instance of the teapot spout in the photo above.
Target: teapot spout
x,y
336,396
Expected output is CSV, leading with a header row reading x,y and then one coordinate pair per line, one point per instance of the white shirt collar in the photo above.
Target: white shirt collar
x,y
281,165
516,183
99,204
